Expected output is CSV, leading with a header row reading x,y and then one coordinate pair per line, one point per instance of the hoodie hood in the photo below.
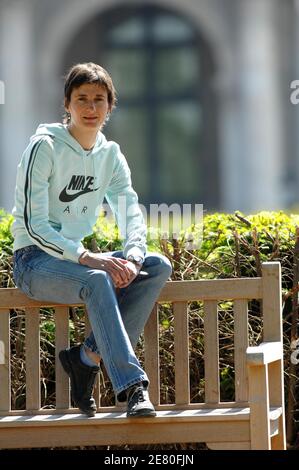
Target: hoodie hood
x,y
60,132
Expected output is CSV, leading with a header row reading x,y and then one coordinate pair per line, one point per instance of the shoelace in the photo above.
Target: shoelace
x,y
136,394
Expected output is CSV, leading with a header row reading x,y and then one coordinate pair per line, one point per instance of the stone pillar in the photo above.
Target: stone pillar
x,y
260,128
295,108
16,58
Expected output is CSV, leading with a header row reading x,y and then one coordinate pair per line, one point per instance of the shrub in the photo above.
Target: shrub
x,y
233,245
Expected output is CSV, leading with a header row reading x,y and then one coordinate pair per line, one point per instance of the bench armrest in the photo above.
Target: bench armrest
x,y
265,353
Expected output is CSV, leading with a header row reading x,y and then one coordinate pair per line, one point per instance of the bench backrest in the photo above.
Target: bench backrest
x,y
180,294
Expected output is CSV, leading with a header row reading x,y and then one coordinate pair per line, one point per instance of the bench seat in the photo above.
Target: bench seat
x,y
213,426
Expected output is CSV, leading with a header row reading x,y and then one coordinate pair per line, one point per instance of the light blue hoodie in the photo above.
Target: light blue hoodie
x,y
60,189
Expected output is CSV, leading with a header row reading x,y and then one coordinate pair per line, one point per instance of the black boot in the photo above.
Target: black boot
x,y
139,404
82,379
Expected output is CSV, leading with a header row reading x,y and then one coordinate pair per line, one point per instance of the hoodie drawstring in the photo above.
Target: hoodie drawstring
x,y
93,172
84,157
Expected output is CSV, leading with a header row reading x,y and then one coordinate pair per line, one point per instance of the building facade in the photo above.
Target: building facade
x,y
204,112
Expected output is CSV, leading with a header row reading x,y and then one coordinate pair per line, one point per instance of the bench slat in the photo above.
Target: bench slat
x,y
113,409
181,350
212,393
32,345
61,342
176,291
5,395
216,289
241,343
87,329
151,354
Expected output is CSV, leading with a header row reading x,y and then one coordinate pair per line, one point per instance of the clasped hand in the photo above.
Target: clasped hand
x,y
122,271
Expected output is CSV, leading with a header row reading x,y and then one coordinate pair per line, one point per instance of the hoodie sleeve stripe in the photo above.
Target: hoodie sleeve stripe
x,y
27,207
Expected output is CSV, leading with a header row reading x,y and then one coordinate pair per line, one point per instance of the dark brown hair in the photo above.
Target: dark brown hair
x,y
88,73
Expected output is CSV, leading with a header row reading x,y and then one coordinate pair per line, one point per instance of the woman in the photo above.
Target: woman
x,y
62,178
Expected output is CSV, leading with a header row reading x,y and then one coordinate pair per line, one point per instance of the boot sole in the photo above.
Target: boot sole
x,y
68,369
142,414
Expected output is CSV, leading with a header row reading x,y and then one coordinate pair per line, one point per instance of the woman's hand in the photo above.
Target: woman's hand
x,y
122,272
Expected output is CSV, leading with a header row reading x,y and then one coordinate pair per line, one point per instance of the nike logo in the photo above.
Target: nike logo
x,y
80,183
65,197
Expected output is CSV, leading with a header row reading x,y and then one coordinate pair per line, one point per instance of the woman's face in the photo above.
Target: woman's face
x,y
88,106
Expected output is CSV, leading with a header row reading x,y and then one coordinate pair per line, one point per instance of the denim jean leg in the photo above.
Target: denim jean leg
x,y
47,278
106,322
138,299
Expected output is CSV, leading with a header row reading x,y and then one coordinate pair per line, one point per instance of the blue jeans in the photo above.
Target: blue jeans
x,y
117,319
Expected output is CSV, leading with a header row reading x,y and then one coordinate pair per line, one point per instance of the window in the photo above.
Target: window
x,y
165,120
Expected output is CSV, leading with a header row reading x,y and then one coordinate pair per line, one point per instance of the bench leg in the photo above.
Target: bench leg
x,y
259,407
278,442
276,394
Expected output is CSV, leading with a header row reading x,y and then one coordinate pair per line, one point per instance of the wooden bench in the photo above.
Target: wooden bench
x,y
254,420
